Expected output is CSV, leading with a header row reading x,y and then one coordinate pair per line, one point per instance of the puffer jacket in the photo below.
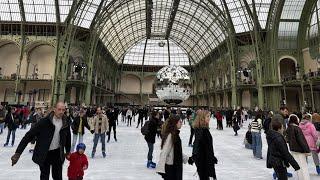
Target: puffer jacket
x,y
78,163
310,134
296,139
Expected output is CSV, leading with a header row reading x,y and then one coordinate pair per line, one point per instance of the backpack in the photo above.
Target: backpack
x,y
145,128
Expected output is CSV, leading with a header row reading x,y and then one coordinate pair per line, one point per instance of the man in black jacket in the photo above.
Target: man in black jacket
x,y
112,115
12,123
53,137
77,127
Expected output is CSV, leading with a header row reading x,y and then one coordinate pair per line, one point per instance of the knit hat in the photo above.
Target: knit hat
x,y
81,146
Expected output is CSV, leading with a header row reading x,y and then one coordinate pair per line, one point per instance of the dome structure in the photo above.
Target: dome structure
x,y
173,84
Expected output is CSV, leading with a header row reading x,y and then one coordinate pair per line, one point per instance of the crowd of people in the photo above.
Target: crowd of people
x,y
57,134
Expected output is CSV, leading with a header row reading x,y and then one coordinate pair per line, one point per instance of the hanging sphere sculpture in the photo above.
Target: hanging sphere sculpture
x,y
173,84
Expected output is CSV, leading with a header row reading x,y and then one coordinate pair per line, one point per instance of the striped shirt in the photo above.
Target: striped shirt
x,y
256,126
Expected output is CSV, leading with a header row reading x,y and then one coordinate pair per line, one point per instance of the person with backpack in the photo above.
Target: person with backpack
x,y
256,126
149,130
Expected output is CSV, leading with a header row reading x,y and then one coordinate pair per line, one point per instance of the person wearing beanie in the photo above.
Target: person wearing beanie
x,y
78,163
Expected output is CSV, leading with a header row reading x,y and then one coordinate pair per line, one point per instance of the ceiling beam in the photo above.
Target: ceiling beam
x,y
172,17
149,7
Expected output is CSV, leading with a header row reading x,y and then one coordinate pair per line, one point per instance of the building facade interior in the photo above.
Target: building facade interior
x,y
249,53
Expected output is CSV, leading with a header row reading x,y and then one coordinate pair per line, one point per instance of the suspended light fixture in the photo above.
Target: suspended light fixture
x,y
173,84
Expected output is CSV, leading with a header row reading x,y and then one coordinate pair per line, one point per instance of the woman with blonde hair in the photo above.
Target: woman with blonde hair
x,y
202,153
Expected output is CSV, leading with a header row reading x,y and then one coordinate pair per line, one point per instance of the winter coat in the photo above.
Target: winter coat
x,y
112,117
77,164
296,139
104,124
129,113
76,123
278,154
218,116
203,154
167,155
12,121
151,136
2,116
43,131
310,133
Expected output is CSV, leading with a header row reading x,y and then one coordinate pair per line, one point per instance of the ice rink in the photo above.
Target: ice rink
x,y
126,159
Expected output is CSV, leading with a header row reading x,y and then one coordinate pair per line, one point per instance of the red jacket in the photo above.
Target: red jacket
x,y
78,162
219,116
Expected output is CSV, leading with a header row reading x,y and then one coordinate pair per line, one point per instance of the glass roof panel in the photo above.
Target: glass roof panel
x,y
125,27
287,35
40,10
87,12
289,24
239,16
156,54
314,31
64,8
292,9
160,17
177,55
9,10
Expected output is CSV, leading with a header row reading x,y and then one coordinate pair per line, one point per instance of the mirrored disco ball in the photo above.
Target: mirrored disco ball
x,y
173,84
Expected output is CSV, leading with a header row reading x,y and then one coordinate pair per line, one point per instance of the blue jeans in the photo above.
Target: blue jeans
x,y
1,127
74,140
150,152
13,132
102,137
257,144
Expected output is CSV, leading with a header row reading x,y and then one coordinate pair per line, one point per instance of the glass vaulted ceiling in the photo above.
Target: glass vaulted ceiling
x,y
194,25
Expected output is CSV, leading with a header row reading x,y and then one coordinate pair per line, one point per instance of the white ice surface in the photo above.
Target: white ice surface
x,y
126,159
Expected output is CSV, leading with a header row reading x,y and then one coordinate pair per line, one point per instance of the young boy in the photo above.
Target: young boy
x,y
78,163
278,156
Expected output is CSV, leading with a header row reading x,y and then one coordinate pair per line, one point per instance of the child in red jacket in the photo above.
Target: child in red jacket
x,y
78,163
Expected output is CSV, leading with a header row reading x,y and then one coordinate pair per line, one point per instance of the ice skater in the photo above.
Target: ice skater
x,y
53,139
100,128
78,163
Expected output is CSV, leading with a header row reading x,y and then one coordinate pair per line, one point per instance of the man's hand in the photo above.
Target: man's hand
x,y
190,161
15,158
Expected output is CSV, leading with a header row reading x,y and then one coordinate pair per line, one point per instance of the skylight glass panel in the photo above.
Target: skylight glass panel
x,y
40,10
160,17
156,53
177,55
292,9
135,54
9,10
64,8
239,16
287,35
87,12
